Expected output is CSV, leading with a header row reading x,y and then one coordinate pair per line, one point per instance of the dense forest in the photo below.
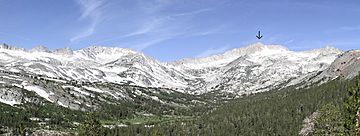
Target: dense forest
x,y
334,107
281,112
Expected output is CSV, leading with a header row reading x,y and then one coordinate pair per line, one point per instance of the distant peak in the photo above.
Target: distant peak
x,y
104,48
327,50
328,47
270,46
64,51
234,53
105,53
257,44
40,48
256,47
9,47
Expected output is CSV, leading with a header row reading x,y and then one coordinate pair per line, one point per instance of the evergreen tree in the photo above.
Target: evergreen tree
x,y
352,105
329,122
20,130
91,126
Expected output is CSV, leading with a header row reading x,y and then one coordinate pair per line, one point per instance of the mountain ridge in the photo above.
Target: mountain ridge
x,y
196,76
58,75
92,48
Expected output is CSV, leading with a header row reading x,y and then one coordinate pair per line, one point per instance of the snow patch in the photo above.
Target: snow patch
x,y
8,102
77,102
61,104
93,89
39,91
17,85
77,90
56,80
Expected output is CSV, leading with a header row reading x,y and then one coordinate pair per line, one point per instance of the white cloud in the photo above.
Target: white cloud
x,y
91,10
213,51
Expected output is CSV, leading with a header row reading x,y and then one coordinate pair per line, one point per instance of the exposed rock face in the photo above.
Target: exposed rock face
x,y
309,125
346,66
10,95
8,47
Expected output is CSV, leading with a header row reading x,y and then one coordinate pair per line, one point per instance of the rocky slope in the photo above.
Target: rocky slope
x,y
345,66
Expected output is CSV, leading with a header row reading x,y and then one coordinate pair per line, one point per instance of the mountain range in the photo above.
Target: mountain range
x,y
241,71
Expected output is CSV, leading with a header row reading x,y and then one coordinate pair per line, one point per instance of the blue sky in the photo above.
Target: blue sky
x,y
173,29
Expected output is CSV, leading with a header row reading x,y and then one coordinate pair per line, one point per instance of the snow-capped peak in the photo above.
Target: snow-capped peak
x,y
258,47
239,69
40,48
326,50
64,51
105,54
225,58
8,47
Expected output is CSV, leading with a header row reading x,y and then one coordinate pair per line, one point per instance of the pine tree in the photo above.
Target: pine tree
x,y
91,126
329,122
352,105
20,130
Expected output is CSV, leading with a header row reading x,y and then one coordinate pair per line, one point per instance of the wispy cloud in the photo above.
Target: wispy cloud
x,y
159,27
193,12
154,24
153,6
213,51
158,23
147,27
87,32
91,10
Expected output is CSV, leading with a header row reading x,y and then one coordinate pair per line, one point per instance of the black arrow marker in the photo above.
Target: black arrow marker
x,y
259,36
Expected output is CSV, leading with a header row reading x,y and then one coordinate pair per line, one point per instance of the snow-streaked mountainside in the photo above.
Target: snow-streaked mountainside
x,y
89,77
93,64
254,68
